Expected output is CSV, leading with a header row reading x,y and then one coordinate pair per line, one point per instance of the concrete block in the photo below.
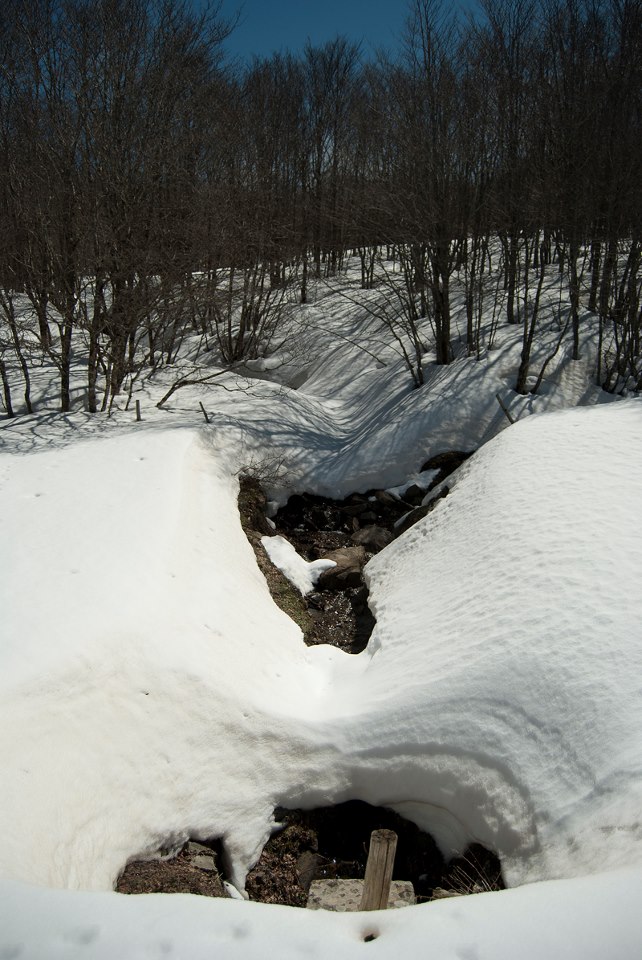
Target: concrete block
x,y
345,895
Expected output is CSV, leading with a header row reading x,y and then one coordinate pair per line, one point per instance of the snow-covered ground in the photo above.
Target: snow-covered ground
x,y
150,690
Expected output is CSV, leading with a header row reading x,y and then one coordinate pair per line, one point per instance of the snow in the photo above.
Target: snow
x,y
421,480
150,689
589,918
530,568
304,574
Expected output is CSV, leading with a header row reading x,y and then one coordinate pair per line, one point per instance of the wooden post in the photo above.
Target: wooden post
x,y
207,419
381,860
138,417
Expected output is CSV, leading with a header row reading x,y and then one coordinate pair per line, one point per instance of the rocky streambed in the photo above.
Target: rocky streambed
x,y
349,532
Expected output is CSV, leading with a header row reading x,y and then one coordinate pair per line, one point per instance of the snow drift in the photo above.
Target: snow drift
x,y
153,691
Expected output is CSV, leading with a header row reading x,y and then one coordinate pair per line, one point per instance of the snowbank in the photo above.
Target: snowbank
x,y
517,602
150,687
498,699
150,690
587,919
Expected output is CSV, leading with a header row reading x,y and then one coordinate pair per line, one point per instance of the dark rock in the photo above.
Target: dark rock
x,y
201,856
306,867
446,462
194,849
347,572
354,509
414,495
321,518
420,512
384,497
383,508
316,601
372,537
320,543
448,458
311,513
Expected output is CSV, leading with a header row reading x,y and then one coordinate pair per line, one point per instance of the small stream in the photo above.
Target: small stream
x,y
352,531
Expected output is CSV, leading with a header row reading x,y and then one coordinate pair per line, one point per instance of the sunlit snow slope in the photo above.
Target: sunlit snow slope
x,y
151,690
508,649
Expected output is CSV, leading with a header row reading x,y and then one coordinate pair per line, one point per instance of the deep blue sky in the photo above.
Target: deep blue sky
x,y
266,26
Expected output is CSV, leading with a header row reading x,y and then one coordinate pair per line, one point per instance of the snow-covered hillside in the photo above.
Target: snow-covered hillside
x,y
151,690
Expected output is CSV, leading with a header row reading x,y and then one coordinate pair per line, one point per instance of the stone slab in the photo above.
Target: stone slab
x,y
343,896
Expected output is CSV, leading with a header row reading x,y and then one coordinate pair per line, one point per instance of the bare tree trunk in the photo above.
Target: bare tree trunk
x,y
596,257
8,308
531,312
6,389
304,279
512,268
94,348
574,296
440,289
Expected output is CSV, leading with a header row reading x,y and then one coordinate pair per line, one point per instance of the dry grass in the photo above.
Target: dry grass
x,y
252,503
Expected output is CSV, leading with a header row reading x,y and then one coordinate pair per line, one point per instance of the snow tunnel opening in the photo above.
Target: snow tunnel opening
x,y
329,843
325,843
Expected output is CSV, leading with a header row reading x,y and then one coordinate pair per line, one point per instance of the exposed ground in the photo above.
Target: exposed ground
x,y
316,526
327,843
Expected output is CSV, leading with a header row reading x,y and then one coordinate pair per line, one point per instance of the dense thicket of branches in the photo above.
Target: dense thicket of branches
x,y
147,190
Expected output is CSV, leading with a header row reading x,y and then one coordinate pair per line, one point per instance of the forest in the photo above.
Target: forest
x,y
152,189
378,565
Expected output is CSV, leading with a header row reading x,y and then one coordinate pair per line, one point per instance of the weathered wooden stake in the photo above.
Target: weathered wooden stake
x,y
138,416
381,860
207,419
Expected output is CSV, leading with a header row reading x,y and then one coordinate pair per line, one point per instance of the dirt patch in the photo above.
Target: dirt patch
x,y
341,618
252,504
195,869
